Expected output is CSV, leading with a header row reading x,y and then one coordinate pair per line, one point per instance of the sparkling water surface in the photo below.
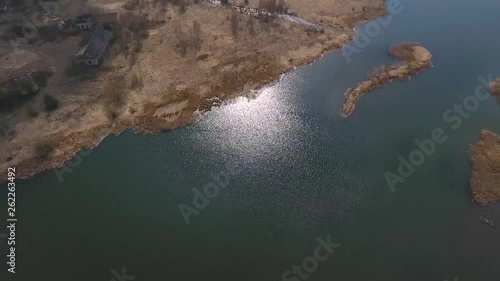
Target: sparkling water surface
x,y
299,172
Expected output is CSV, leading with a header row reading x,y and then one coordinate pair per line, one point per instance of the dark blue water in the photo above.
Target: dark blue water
x,y
300,172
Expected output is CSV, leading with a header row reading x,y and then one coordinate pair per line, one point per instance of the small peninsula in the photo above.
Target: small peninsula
x,y
414,58
485,176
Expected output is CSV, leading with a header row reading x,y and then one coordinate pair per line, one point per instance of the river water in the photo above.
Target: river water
x,y
299,172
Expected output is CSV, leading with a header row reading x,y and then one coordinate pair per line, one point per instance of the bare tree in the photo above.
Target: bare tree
x,y
182,6
126,36
281,7
234,24
197,40
182,40
141,5
164,4
273,6
132,58
251,25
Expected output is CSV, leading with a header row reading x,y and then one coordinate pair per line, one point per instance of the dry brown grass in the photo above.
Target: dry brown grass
x,y
404,51
417,59
495,87
115,92
135,79
45,148
485,177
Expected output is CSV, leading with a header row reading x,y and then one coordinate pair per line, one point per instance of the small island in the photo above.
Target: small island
x,y
485,176
495,87
414,58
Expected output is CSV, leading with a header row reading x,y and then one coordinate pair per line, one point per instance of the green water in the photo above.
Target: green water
x,y
302,172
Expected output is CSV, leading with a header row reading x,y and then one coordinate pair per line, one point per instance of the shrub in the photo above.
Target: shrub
x,y
114,92
44,148
129,33
31,112
49,34
41,78
50,103
5,129
135,79
273,6
197,36
183,41
27,85
403,51
111,114
234,24
131,5
17,4
17,30
9,97
202,57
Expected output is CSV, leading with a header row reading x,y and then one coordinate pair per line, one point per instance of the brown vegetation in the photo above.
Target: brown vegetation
x,y
485,176
273,6
403,52
495,87
234,24
44,148
135,79
115,93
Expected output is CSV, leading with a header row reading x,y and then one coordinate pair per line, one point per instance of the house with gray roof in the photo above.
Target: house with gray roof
x,y
93,52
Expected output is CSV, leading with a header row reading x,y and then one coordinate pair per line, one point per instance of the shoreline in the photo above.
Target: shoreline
x,y
93,138
71,143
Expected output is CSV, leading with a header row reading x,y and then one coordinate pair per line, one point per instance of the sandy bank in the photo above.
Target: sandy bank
x,y
485,176
414,58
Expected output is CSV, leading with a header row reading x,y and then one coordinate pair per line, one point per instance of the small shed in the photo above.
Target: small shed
x,y
93,52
